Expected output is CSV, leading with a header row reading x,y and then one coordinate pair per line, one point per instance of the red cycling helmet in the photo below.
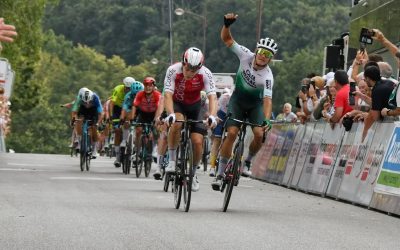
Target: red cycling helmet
x,y
149,80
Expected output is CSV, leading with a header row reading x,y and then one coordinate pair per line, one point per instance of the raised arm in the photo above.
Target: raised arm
x,y
226,36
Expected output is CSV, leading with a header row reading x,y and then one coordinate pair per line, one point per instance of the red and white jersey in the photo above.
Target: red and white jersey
x,y
147,104
188,91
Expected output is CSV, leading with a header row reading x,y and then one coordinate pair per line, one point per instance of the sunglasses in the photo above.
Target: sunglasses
x,y
265,52
191,68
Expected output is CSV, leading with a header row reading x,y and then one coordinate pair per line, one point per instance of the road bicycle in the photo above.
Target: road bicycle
x,y
143,157
85,146
233,168
183,176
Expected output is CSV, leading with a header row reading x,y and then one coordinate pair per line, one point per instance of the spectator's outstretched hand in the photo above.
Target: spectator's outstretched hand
x,y
7,32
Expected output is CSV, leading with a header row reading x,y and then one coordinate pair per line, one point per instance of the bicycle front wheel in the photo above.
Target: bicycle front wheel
x,y
232,176
187,173
82,154
147,155
205,154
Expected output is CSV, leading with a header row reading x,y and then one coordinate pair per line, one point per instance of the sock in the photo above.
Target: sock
x,y
160,160
213,159
249,157
222,165
172,154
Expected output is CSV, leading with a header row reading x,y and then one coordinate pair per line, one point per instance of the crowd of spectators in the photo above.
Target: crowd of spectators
x,y
327,98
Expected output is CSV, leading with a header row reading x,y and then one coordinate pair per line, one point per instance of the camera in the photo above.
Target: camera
x,y
347,123
366,36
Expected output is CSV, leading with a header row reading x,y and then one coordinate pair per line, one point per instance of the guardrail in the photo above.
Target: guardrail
x,y
314,158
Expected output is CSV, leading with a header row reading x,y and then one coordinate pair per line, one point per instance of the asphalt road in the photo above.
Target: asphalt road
x,y
46,202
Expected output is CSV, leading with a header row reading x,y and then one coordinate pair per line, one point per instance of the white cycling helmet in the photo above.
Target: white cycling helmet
x,y
82,90
86,95
269,44
193,57
128,81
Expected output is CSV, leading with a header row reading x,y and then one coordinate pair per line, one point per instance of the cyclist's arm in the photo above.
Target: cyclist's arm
x,y
168,102
133,113
123,114
267,107
212,104
160,107
226,36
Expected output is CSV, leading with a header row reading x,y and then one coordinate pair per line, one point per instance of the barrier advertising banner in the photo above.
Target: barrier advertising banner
x,y
341,162
281,133
314,151
261,160
305,144
325,160
369,174
353,169
386,195
293,154
284,154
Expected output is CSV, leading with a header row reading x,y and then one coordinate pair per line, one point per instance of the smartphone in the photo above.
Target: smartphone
x,y
366,36
352,98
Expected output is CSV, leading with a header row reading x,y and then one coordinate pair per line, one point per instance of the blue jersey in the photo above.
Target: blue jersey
x,y
95,102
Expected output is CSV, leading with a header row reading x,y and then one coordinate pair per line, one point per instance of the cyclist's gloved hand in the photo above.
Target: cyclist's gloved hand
x,y
212,121
170,119
229,19
267,124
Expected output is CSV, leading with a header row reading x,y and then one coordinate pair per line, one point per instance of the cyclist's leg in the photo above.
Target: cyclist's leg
x,y
237,112
117,135
216,141
162,144
256,116
174,135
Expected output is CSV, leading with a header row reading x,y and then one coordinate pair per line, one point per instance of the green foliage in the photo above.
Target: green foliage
x,y
96,43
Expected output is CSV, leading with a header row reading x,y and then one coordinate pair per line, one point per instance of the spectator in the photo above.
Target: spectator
x,y
342,96
306,100
287,115
325,108
381,90
363,94
394,99
387,71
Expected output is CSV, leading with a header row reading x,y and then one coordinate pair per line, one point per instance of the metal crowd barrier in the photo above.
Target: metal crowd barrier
x,y
314,158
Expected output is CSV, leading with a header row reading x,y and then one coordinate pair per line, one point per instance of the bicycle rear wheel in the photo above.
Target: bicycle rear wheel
x,y
177,188
128,153
187,172
231,176
88,152
166,182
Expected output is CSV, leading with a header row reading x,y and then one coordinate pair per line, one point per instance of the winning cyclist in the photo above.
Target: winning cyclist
x,y
115,108
87,106
182,85
147,101
252,97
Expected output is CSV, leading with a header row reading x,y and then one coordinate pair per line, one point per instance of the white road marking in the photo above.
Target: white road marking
x,y
27,164
99,179
21,169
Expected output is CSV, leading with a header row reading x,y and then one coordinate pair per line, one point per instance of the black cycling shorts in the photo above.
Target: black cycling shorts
x,y
192,112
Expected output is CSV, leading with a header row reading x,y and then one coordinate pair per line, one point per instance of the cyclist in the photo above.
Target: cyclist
x,y
74,141
147,101
252,97
115,109
182,85
217,132
125,117
162,138
87,106
106,120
